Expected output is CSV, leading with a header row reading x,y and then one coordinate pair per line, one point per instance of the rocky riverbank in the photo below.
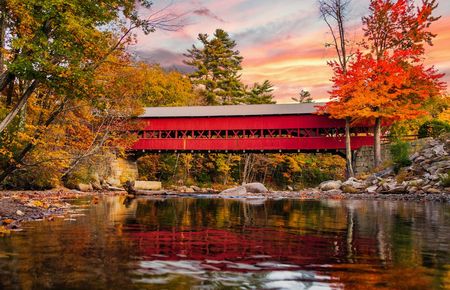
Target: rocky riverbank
x,y
428,174
427,178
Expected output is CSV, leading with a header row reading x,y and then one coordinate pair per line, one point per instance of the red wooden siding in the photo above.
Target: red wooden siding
x,y
252,133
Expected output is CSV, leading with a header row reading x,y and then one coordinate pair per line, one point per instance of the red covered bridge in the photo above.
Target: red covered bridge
x,y
244,128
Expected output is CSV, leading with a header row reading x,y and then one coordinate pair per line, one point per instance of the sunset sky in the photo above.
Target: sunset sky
x,y
282,41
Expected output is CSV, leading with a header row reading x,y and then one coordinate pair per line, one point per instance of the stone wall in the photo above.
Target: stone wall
x,y
122,170
363,157
102,170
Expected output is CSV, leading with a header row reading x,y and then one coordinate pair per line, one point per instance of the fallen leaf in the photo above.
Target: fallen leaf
x,y
7,221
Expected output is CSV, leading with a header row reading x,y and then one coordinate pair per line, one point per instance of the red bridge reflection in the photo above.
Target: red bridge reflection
x,y
250,246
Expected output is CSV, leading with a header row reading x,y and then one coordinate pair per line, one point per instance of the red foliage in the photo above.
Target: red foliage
x,y
390,81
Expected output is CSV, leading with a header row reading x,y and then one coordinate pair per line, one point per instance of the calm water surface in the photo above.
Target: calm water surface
x,y
189,243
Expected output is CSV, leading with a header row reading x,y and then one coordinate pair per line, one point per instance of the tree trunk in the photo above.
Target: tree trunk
x,y
176,166
244,175
250,167
348,149
377,142
225,179
22,102
2,34
9,94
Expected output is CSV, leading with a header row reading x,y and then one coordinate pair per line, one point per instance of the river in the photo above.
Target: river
x,y
209,243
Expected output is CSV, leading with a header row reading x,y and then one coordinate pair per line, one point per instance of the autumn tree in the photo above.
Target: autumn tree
x,y
334,13
393,27
59,44
390,82
162,88
59,133
52,58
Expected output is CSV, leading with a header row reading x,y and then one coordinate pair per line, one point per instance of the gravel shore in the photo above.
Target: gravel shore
x,y
22,206
442,197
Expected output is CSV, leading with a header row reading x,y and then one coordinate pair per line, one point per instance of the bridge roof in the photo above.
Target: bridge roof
x,y
231,110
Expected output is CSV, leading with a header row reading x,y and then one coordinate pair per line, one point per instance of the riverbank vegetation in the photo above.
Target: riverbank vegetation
x,y
280,171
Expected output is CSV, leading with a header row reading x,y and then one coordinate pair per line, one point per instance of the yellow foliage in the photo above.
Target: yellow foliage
x,y
445,115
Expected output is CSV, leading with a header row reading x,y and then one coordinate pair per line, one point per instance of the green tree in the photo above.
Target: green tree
x,y
217,66
260,94
304,97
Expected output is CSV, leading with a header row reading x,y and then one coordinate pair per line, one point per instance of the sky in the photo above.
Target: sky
x,y
283,41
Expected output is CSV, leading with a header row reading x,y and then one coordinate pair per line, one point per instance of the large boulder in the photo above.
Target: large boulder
x,y
354,183
113,181
349,189
196,188
147,185
96,185
255,187
372,189
84,187
235,191
330,185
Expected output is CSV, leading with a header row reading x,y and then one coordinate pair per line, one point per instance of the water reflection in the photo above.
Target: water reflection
x,y
229,244
208,276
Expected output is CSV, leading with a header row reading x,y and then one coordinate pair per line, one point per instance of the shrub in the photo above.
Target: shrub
x,y
81,174
433,128
445,179
400,154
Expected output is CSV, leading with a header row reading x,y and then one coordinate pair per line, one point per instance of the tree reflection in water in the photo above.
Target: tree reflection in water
x,y
217,244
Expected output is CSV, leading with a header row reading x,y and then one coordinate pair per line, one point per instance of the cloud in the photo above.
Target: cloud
x,y
282,41
165,58
207,13
161,56
280,28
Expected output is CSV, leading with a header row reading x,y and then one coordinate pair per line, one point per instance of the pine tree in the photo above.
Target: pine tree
x,y
303,97
217,66
260,94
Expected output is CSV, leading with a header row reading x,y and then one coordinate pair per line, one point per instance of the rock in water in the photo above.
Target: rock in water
x,y
255,187
235,191
330,185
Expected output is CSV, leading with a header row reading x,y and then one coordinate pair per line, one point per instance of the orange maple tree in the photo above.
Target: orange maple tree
x,y
389,88
388,81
